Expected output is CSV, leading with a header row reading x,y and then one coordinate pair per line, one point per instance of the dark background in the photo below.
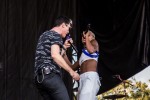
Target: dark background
x,y
121,28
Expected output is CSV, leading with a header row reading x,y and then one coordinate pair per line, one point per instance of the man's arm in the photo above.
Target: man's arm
x,y
74,66
66,45
55,52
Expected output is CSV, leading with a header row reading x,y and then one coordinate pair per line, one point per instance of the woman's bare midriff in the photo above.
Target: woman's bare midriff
x,y
88,65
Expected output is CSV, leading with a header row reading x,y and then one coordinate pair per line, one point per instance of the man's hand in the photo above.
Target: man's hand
x,y
75,75
67,44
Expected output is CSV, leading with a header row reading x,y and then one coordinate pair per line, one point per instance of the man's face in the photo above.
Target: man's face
x,y
66,29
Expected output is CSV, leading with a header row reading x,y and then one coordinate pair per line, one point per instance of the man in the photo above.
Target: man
x,y
49,61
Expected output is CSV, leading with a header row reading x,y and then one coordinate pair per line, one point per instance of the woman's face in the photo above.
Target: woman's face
x,y
90,34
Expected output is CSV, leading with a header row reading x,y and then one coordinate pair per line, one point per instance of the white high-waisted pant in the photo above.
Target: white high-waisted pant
x,y
89,85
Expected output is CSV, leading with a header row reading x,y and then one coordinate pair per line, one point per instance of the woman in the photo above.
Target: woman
x,y
89,82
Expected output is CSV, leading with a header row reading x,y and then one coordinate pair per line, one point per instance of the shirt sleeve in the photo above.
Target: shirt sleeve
x,y
57,40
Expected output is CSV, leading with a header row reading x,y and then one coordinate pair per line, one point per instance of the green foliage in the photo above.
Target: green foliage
x,y
134,90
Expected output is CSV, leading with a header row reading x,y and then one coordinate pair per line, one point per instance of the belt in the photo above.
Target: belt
x,y
47,70
44,70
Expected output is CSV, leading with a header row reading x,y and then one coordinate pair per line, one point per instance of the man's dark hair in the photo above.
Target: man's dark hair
x,y
62,19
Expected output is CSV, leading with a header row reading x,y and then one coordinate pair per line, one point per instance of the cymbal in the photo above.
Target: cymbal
x,y
114,96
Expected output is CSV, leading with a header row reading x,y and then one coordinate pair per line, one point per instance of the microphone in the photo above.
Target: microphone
x,y
88,28
72,45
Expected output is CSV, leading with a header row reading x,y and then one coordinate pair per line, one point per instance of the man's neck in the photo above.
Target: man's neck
x,y
56,29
